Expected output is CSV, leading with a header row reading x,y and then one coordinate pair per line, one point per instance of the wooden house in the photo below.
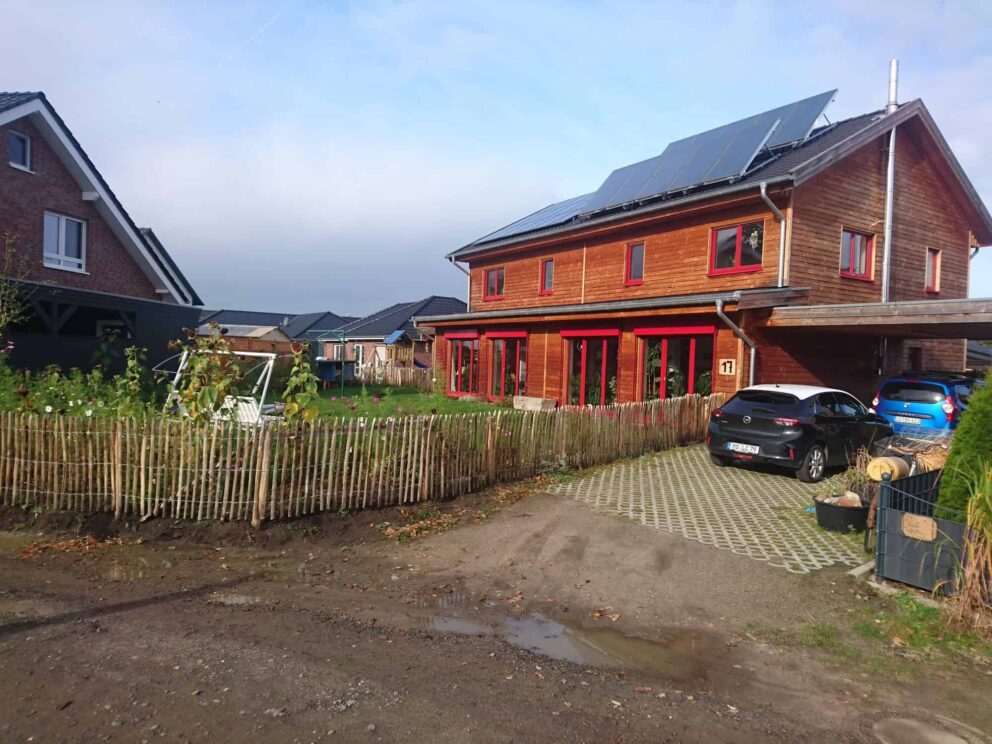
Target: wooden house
x,y
772,249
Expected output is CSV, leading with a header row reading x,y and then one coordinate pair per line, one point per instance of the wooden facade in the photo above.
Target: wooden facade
x,y
833,248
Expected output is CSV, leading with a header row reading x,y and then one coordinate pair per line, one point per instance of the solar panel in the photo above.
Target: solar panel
x,y
718,154
553,214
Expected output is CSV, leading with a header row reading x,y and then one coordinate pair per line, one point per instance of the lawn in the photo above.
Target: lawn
x,y
375,400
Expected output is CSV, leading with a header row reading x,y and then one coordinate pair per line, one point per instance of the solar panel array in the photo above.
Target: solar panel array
x,y
719,154
554,214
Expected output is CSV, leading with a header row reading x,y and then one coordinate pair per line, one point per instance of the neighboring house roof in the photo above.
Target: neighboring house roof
x,y
302,327
311,326
268,333
399,317
245,317
791,163
144,247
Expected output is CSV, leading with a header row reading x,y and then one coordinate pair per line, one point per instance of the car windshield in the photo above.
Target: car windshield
x,y
762,401
913,392
964,394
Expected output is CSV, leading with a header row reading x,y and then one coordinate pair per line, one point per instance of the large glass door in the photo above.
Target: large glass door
x,y
508,373
674,365
463,356
591,365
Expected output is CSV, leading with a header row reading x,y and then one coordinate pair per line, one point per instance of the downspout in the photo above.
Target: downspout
x,y
742,336
890,177
781,231
467,273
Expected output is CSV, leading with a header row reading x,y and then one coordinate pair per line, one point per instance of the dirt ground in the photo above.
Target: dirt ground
x,y
532,619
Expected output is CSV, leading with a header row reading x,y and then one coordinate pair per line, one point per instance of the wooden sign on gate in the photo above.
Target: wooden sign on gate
x,y
919,528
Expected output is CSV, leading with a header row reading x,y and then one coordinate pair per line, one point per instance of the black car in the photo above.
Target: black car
x,y
801,427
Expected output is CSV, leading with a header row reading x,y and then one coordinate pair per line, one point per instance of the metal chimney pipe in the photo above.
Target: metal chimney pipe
x,y
893,103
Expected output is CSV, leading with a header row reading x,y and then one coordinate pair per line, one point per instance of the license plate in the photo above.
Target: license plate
x,y
907,420
750,449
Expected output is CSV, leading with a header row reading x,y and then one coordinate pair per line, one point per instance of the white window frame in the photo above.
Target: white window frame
x,y
337,352
27,142
61,261
359,352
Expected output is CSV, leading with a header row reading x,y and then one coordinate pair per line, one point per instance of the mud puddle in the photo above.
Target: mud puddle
x,y
678,653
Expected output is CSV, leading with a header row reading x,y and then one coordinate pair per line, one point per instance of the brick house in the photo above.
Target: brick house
x,y
88,269
777,270
389,337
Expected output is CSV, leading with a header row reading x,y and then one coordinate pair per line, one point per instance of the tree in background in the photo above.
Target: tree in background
x,y
13,295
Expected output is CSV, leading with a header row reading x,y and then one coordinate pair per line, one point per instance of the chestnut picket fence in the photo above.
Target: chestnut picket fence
x,y
164,467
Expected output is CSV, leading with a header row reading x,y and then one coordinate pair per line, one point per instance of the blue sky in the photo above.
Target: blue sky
x,y
297,155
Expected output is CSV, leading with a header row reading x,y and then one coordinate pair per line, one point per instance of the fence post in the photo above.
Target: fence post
x,y
258,511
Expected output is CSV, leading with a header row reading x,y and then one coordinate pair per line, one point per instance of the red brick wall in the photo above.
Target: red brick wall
x,y
24,197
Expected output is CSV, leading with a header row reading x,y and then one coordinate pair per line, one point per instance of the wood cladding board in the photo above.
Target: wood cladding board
x,y
851,195
848,195
676,262
925,216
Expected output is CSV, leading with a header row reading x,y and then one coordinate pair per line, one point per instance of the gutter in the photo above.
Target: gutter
x,y
781,231
890,177
742,336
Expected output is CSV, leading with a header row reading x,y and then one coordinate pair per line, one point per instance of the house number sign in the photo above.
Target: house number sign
x,y
727,367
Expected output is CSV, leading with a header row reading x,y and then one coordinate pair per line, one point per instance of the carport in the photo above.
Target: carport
x,y
855,346
927,319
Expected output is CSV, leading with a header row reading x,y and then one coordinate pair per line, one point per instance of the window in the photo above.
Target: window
x,y
856,255
359,352
933,270
547,276
634,270
509,366
591,369
463,363
112,329
737,248
494,285
674,365
336,352
64,242
19,151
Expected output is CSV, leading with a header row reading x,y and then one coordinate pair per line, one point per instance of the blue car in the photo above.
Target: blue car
x,y
925,400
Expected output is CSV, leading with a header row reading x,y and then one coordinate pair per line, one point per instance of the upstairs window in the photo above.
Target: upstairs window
x,y
19,151
737,248
933,270
547,285
856,251
64,242
634,270
494,285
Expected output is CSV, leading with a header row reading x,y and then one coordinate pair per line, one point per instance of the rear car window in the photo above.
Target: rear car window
x,y
913,392
762,401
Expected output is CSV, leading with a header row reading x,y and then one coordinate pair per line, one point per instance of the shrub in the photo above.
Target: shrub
x,y
970,453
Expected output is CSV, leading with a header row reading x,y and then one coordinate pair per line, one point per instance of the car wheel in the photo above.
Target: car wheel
x,y
719,461
814,465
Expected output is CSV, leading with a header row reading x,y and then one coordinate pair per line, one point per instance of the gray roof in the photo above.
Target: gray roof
x,y
299,327
399,317
245,317
155,248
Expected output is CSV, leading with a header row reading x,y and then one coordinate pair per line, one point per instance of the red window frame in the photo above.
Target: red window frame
x,y
738,251
507,336
500,284
628,264
933,269
869,254
599,334
664,332
542,288
456,364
